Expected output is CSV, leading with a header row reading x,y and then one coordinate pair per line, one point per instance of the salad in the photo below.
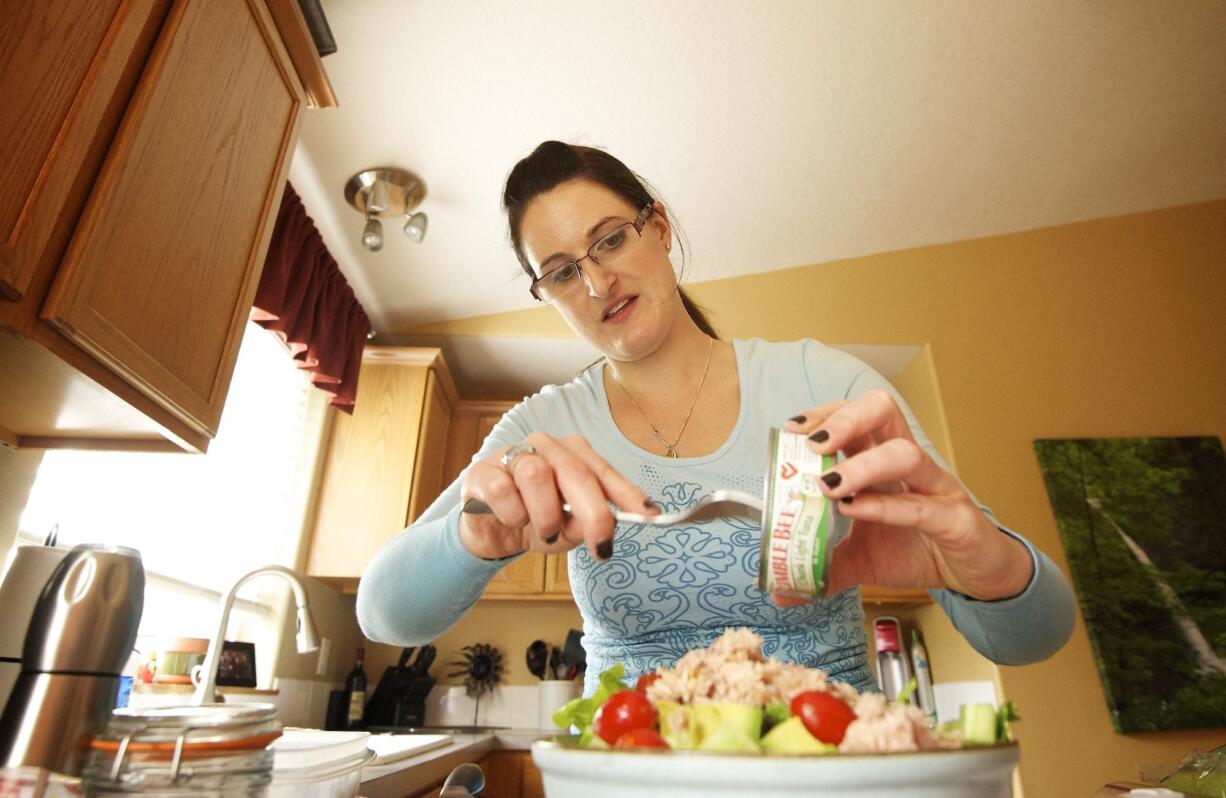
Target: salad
x,y
730,698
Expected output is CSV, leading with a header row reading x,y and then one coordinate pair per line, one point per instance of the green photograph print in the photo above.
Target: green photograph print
x,y
1143,522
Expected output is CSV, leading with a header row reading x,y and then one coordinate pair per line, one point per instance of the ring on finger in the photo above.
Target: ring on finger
x,y
508,457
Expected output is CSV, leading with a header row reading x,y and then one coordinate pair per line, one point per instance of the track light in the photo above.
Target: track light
x,y
372,234
415,227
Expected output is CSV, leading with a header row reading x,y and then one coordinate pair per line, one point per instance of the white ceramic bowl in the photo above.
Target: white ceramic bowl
x,y
572,772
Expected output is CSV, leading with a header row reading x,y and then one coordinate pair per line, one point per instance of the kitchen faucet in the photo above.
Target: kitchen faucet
x,y
307,636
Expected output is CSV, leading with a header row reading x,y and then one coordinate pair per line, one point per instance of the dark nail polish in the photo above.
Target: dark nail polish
x,y
604,549
847,499
650,503
552,539
797,419
821,436
832,479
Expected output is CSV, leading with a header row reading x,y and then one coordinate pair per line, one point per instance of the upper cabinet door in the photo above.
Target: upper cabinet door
x,y
431,449
160,274
368,470
65,76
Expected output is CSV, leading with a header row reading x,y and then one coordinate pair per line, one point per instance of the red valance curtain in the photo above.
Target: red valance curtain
x,y
305,299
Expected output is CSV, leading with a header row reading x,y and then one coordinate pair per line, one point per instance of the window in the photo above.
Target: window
x,y
201,521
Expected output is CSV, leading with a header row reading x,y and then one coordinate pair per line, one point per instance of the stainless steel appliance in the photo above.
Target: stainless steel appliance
x,y
80,634
26,573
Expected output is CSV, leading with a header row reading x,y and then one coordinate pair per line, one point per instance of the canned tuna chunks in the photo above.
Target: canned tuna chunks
x,y
798,520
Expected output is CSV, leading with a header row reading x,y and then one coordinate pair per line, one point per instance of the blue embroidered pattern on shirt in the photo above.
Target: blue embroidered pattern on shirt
x,y
666,591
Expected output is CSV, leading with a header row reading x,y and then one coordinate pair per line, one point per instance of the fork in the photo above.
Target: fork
x,y
716,504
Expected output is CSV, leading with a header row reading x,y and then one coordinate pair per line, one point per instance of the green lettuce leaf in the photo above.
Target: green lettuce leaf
x,y
1004,717
579,712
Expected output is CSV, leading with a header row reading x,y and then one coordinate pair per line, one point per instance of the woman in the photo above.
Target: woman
x,y
672,413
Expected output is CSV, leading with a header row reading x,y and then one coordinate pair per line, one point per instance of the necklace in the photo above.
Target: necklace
x,y
671,448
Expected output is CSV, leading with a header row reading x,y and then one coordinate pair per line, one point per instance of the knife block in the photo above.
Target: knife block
x,y
411,702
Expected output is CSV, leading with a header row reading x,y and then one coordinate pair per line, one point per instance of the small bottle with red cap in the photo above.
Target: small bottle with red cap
x,y
892,671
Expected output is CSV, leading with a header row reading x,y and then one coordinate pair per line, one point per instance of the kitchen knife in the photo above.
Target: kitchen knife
x,y
425,658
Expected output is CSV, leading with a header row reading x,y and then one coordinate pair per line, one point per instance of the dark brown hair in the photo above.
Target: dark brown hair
x,y
553,163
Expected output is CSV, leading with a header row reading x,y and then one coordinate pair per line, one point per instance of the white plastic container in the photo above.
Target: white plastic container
x,y
308,763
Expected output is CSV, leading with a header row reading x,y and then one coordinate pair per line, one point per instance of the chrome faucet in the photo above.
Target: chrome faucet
x,y
307,637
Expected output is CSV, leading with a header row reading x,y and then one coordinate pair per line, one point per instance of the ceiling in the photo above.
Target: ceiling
x,y
780,133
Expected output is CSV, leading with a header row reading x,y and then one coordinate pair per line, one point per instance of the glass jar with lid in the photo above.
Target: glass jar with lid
x,y
210,750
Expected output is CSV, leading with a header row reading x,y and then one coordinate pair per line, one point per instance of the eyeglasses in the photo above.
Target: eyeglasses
x,y
611,247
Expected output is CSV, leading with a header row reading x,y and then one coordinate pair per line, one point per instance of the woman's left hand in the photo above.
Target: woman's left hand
x,y
914,525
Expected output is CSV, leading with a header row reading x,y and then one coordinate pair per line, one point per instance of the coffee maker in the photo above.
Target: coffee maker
x,y
79,634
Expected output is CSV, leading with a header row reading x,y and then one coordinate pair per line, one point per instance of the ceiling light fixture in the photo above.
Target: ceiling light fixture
x,y
415,227
372,234
387,192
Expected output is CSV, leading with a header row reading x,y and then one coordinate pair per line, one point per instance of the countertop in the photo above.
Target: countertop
x,y
408,775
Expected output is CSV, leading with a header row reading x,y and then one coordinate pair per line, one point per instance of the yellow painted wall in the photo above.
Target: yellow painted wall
x,y
918,384
1111,327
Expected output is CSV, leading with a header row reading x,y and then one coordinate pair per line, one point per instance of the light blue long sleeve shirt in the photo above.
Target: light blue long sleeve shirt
x,y
666,591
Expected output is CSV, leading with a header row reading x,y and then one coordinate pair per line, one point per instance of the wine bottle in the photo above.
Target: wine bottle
x,y
355,686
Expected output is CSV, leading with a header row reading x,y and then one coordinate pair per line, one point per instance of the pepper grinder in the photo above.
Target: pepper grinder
x,y
80,635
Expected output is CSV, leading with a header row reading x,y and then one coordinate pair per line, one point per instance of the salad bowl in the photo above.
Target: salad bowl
x,y
569,771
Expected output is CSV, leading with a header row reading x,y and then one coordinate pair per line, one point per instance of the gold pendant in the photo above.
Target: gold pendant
x,y
671,452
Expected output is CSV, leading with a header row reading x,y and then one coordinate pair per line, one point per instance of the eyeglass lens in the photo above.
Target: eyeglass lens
x,y
605,252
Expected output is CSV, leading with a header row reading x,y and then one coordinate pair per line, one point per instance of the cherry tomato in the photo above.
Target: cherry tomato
x,y
640,738
621,712
645,681
825,716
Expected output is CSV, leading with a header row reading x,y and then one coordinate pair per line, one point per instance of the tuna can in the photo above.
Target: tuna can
x,y
798,520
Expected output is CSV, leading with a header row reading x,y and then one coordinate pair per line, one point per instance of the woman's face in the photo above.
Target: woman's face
x,y
624,309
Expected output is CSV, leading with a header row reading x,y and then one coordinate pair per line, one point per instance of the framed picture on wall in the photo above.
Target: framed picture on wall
x,y
236,668
1143,523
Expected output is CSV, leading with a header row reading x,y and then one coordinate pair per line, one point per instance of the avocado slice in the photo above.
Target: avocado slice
x,y
710,727
978,724
728,740
677,725
791,737
725,717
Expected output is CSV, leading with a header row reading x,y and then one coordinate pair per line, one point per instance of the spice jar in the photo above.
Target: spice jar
x,y
211,750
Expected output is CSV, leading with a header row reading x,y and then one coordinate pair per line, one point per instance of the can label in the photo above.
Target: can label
x,y
798,519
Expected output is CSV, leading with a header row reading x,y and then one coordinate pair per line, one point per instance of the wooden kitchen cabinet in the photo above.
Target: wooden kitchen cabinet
x,y
534,576
557,582
512,774
384,464
893,596
143,154
508,774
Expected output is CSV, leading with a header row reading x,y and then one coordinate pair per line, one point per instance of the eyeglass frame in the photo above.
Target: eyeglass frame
x,y
638,223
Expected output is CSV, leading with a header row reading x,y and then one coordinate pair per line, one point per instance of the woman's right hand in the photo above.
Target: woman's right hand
x,y
527,495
